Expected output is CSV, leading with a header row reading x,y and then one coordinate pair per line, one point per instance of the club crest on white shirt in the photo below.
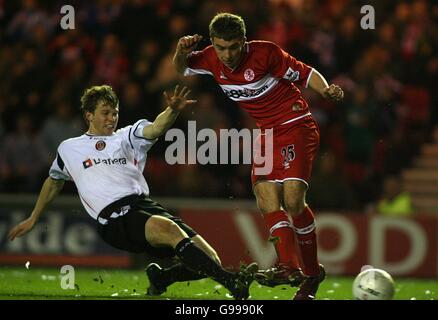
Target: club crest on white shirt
x,y
249,75
100,145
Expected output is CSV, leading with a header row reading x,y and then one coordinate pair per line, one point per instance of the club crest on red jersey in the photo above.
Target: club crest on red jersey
x,y
100,145
249,74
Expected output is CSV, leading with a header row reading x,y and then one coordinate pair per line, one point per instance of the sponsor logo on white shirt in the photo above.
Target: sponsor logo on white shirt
x,y
91,162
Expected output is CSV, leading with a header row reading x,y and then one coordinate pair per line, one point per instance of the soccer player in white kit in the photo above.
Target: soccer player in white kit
x,y
107,168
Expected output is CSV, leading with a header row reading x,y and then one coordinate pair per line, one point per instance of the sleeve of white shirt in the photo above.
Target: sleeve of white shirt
x,y
58,171
134,134
133,138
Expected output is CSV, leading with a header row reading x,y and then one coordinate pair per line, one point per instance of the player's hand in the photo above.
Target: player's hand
x,y
179,99
21,228
334,92
187,44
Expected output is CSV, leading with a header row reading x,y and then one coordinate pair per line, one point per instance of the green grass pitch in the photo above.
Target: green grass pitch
x,y
45,283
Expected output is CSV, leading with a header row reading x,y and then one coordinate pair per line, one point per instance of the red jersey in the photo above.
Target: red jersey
x,y
264,82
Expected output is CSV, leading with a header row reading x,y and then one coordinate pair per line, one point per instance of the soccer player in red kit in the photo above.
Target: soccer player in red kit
x,y
263,79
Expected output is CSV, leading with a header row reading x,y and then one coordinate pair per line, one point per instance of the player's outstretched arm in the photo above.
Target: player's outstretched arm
x,y
49,191
318,83
175,103
185,45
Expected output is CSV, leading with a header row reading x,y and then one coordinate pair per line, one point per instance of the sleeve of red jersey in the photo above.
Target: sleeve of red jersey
x,y
283,65
197,63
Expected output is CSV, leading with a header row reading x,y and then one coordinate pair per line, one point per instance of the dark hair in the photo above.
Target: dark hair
x,y
92,96
227,26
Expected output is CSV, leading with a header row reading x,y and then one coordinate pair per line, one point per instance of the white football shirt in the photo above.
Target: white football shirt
x,y
104,168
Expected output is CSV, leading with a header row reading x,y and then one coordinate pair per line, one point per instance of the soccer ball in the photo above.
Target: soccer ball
x,y
373,284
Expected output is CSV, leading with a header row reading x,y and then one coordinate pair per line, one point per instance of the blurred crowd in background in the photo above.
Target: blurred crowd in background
x,y
387,74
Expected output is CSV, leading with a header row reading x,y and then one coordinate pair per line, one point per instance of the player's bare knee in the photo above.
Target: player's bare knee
x,y
294,206
266,207
268,197
163,231
154,229
294,197
267,203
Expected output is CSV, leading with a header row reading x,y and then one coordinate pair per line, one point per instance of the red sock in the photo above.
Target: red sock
x,y
304,226
280,227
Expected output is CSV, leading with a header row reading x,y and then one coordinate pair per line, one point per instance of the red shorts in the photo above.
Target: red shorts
x,y
290,155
